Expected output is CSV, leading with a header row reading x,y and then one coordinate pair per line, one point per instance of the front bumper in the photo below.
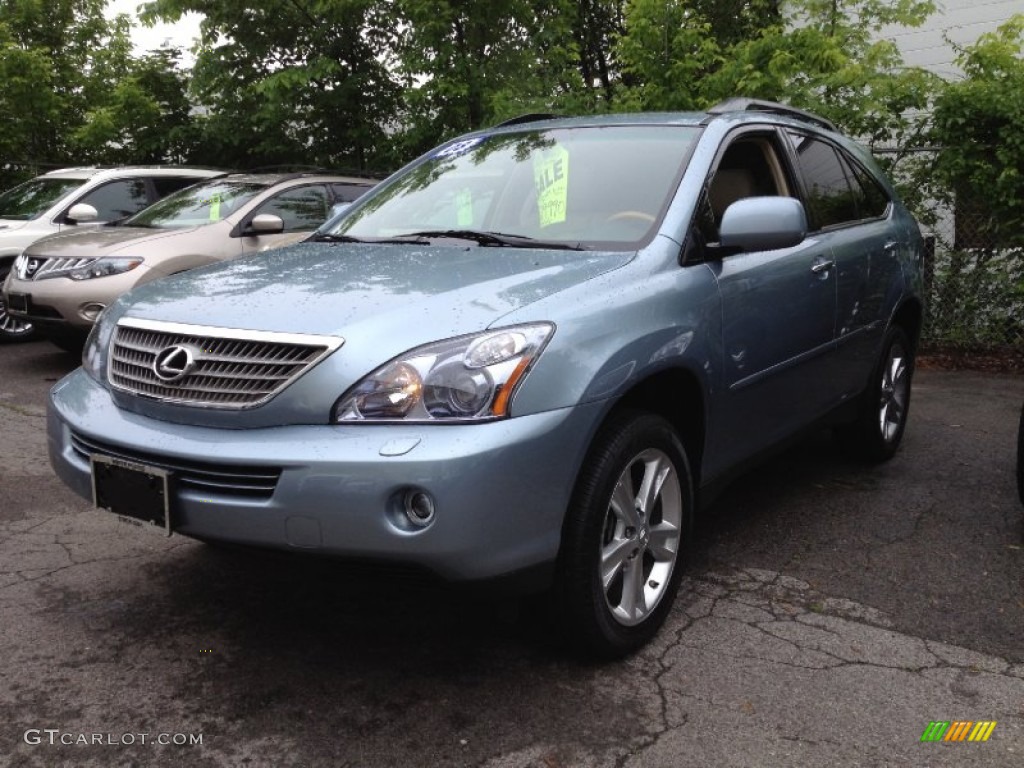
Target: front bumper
x,y
501,488
63,302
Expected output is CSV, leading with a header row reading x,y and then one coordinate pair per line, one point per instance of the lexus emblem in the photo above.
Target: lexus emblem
x,y
174,363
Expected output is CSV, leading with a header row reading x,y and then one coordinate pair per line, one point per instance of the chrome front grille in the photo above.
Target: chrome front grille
x,y
209,367
42,267
251,482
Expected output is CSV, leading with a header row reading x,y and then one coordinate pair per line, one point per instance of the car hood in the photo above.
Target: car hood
x,y
408,293
99,241
11,224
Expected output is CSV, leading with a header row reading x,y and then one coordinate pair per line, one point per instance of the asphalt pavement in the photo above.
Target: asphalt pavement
x,y
832,612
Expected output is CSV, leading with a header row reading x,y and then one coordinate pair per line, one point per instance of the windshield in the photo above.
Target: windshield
x,y
33,198
597,187
196,205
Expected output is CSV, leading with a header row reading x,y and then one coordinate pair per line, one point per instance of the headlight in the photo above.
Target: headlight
x,y
20,266
110,265
468,378
92,354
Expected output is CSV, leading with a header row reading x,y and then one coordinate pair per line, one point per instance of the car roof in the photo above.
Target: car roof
x,y
270,179
88,172
738,109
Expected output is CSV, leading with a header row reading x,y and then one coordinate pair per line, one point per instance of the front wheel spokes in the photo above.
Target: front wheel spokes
x,y
633,605
664,543
894,394
638,553
613,557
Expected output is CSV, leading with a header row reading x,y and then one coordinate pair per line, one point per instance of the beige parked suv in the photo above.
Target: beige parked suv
x,y
63,200
63,282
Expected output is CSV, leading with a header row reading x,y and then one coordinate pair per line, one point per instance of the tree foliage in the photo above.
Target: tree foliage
x,y
288,81
824,55
46,50
73,92
977,123
369,83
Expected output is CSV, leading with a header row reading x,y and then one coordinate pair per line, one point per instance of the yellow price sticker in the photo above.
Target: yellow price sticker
x,y
464,207
215,207
551,178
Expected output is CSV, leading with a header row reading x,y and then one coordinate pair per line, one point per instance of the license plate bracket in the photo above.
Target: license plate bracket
x,y
136,493
18,302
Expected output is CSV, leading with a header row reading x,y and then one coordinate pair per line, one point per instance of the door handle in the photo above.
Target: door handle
x,y
822,266
890,247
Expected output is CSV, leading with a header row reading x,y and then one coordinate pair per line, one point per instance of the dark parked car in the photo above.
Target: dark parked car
x,y
532,353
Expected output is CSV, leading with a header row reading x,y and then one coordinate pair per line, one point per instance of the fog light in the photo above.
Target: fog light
x,y
419,508
91,311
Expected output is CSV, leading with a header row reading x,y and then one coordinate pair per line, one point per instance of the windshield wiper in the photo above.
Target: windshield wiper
x,y
497,239
327,237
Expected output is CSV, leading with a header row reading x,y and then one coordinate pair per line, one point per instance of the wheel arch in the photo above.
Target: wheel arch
x,y
910,317
677,395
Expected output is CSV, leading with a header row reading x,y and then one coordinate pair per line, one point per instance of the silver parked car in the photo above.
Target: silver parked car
x,y
62,282
532,353
65,200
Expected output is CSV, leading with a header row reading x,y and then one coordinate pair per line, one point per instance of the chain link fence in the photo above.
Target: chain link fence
x,y
974,285
974,266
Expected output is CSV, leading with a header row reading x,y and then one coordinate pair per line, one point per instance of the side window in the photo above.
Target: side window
x,y
831,198
874,201
300,208
749,167
347,193
118,199
164,185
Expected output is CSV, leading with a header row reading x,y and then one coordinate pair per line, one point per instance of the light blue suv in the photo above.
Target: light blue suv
x,y
531,353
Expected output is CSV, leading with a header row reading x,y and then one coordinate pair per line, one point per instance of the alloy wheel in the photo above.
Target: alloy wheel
x,y
641,537
894,392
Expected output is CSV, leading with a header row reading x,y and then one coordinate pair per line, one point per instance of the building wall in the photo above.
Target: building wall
x,y
961,21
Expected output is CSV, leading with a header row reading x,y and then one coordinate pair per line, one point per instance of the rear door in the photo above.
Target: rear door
x,y
850,212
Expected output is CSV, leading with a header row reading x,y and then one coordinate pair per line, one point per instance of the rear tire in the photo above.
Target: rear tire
x,y
624,537
876,434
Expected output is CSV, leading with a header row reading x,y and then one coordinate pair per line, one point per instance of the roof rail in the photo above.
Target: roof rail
x,y
293,171
757,105
527,118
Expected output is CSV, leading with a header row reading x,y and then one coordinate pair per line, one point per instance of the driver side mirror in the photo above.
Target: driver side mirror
x,y
265,224
763,224
81,213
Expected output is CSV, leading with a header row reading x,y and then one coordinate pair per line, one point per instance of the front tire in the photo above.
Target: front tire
x,y
624,537
876,434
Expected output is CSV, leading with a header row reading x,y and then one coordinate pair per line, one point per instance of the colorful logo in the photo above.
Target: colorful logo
x,y
958,730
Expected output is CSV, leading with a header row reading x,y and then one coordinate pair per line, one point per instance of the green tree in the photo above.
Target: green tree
x,y
292,80
145,117
978,124
823,55
466,63
977,173
46,53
